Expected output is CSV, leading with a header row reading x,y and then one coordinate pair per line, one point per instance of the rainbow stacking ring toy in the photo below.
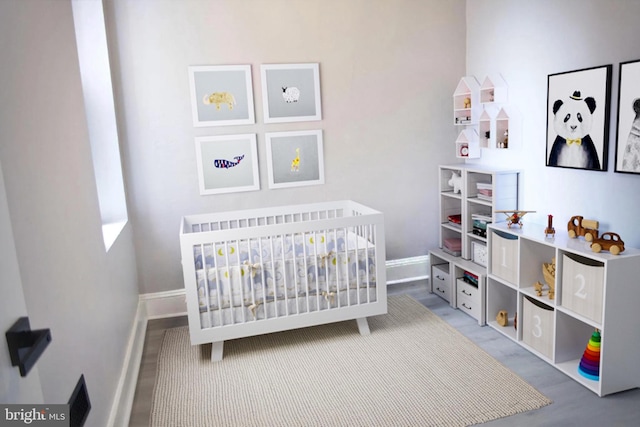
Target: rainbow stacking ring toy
x,y
590,363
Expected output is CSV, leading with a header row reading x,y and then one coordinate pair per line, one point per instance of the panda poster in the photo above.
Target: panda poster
x,y
578,105
628,129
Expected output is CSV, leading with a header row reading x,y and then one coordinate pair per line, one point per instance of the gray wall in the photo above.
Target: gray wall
x,y
85,296
526,41
387,71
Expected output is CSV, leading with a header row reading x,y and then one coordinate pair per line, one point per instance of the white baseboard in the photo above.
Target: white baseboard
x,y
407,269
165,304
125,391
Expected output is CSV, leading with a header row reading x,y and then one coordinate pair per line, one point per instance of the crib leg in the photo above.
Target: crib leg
x,y
363,326
216,351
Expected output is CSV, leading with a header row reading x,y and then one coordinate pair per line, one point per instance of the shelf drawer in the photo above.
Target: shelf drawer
x,y
537,326
583,286
468,299
440,281
504,257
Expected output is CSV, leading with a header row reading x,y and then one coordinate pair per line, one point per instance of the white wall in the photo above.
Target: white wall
x,y
387,71
526,41
13,387
85,296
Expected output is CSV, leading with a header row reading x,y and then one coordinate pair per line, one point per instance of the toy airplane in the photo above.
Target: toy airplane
x,y
514,217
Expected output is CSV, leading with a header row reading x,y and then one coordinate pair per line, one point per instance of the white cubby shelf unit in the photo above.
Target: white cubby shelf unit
x,y
593,291
467,203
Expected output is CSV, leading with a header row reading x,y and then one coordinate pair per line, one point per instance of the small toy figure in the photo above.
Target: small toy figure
x,y
514,217
467,103
549,231
502,318
538,287
455,182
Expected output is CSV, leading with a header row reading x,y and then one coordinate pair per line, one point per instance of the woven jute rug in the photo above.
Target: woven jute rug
x,y
412,370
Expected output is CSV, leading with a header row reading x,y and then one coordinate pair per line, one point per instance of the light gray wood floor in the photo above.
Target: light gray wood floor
x,y
573,404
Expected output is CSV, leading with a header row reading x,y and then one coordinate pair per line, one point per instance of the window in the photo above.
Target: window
x,y
93,55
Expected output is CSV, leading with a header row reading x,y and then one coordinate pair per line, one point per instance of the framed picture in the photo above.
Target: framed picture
x,y
295,158
221,95
628,129
578,105
291,92
227,163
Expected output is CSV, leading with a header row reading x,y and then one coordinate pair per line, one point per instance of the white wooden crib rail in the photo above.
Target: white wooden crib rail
x,y
353,287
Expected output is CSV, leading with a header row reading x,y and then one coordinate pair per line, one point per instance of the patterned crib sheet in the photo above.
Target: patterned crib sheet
x,y
258,271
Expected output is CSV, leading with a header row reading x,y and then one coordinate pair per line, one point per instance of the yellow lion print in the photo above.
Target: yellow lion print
x,y
218,98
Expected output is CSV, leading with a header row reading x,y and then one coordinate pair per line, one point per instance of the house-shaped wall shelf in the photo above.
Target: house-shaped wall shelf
x,y
467,144
485,131
493,90
503,131
466,102
497,127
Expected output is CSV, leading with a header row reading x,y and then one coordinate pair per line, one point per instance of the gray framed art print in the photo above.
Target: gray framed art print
x,y
221,95
227,164
628,129
291,92
295,158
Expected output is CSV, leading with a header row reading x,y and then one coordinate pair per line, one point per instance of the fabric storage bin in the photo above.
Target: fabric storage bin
x,y
583,286
440,281
504,257
537,326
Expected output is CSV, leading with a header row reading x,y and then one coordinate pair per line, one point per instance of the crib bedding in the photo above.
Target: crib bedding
x,y
280,275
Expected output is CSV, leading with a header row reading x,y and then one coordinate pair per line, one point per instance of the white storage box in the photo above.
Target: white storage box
x,y
583,286
440,281
504,257
537,326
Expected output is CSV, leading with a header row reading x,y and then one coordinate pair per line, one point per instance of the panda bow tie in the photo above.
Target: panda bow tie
x,y
576,141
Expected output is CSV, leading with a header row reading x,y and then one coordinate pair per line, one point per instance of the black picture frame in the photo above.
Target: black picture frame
x,y
578,106
628,120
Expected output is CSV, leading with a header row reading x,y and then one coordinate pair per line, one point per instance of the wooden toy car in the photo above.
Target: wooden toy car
x,y
578,226
609,242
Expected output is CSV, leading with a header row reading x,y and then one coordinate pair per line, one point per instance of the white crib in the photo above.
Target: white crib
x,y
258,271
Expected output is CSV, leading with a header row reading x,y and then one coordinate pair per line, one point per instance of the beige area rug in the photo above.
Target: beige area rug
x,y
413,370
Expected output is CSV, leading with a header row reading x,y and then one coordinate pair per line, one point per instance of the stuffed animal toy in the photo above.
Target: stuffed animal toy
x,y
455,182
573,147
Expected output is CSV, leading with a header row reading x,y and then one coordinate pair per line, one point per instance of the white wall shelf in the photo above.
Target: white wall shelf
x,y
466,102
592,291
467,144
494,90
